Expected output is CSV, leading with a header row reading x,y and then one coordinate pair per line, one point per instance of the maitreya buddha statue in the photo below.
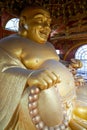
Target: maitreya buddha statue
x,y
37,92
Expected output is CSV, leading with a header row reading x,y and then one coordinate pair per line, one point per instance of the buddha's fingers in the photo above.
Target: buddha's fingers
x,y
75,126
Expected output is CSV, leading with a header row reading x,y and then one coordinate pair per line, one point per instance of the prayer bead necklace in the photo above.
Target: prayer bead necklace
x,y
34,113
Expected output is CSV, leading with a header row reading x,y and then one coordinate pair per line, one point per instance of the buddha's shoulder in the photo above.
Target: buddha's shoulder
x,y
13,37
13,40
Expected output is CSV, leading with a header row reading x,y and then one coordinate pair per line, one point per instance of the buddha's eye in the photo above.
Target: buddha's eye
x,y
39,20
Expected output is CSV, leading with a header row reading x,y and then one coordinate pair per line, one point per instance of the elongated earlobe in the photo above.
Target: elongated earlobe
x,y
22,22
26,27
23,27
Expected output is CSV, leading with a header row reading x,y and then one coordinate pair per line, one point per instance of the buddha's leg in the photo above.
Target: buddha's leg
x,y
80,109
80,121
75,126
80,115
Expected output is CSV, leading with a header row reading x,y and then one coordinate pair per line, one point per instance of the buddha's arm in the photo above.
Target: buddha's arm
x,y
13,78
42,77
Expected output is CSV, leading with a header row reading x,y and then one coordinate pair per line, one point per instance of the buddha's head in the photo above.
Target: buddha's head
x,y
35,24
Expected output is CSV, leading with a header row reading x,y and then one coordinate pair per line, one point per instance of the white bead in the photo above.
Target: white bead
x,y
35,111
37,127
62,127
57,128
41,125
35,97
65,113
51,128
30,98
34,120
32,91
31,114
37,118
45,128
37,90
34,104
65,123
30,106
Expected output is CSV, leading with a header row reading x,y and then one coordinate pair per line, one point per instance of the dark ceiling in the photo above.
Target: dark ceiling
x,y
56,7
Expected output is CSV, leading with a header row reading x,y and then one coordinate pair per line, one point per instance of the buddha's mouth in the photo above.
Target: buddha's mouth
x,y
44,34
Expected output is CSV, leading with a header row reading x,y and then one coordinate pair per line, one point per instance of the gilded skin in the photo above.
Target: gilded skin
x,y
31,73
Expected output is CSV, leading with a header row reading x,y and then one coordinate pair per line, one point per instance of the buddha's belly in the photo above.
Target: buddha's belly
x,y
50,107
47,107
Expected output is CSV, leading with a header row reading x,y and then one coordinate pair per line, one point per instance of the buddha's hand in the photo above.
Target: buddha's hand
x,y
43,78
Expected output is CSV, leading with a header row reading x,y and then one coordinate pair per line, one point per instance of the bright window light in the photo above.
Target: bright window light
x,y
12,24
58,51
81,54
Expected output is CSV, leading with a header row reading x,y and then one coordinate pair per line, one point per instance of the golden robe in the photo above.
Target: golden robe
x,y
12,86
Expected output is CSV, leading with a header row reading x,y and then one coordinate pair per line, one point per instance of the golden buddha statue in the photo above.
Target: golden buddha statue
x,y
37,92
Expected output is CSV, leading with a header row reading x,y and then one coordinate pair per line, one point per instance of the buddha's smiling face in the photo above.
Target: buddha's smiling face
x,y
38,25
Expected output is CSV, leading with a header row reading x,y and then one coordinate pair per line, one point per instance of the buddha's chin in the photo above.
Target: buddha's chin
x,y
41,40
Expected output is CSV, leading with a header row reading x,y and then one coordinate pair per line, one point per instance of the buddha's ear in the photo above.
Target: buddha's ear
x,y
22,26
22,22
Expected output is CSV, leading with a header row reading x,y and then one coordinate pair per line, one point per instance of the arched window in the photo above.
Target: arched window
x,y
12,24
81,54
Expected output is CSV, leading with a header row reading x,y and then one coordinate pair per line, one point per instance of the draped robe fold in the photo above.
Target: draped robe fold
x,y
12,85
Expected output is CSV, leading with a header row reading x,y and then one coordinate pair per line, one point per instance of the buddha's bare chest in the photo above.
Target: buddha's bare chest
x,y
33,56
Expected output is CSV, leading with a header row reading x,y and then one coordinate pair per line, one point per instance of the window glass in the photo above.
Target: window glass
x,y
12,24
82,55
